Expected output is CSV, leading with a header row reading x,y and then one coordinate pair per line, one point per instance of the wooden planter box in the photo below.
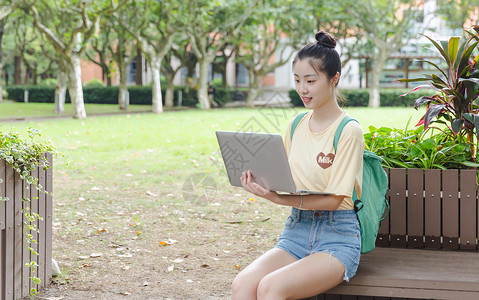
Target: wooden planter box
x,y
15,280
431,209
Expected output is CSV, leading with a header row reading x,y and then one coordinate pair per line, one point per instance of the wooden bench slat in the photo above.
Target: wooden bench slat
x,y
450,209
415,208
432,208
409,272
400,293
468,209
398,208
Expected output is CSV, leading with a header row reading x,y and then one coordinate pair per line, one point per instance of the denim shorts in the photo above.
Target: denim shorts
x,y
335,232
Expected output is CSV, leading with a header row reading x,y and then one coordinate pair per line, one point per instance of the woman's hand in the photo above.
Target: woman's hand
x,y
250,185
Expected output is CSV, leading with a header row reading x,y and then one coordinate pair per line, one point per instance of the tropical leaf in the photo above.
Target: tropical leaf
x,y
456,125
417,88
475,80
436,66
431,113
440,49
420,101
452,48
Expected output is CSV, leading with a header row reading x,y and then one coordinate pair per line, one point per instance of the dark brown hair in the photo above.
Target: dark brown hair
x,y
321,55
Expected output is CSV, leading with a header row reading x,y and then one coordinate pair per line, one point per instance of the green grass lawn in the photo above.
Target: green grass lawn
x,y
127,189
9,109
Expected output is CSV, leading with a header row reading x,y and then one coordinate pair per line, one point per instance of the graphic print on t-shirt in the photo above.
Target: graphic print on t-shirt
x,y
325,161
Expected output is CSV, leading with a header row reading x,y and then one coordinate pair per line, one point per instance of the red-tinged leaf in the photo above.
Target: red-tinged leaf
x,y
421,122
456,125
469,117
415,79
416,88
431,113
420,101
475,80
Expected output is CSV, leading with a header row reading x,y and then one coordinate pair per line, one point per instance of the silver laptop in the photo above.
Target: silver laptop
x,y
263,154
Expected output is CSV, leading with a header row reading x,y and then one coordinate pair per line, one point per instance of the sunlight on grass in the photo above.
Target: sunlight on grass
x,y
10,109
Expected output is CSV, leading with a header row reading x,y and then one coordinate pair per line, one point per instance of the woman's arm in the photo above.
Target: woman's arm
x,y
311,202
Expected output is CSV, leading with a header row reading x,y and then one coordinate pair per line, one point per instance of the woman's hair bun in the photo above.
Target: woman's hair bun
x,y
325,39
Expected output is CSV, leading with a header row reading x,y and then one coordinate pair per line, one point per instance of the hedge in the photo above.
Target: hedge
x,y
360,97
109,95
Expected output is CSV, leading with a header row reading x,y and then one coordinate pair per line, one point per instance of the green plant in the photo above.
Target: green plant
x,y
360,97
95,83
457,88
418,148
24,156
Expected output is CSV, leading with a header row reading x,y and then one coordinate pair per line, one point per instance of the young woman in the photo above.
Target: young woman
x,y
320,244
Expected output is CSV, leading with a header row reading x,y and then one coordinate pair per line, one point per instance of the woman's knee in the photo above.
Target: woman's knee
x,y
268,289
243,285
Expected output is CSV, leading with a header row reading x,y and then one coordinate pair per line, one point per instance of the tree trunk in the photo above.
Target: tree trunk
x,y
75,87
17,73
170,90
123,90
139,68
1,90
157,100
379,61
203,84
60,92
254,81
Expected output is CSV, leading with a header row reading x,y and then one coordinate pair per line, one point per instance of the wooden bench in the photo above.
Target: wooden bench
x,y
427,246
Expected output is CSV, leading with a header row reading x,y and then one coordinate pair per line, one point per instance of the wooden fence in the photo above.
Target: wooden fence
x,y
435,209
15,280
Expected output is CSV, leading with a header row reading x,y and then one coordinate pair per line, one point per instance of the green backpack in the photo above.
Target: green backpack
x,y
372,205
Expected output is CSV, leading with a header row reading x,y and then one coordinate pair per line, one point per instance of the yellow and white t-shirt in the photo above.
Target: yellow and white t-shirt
x,y
316,166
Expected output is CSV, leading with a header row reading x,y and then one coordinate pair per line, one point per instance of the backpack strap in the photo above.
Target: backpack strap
x,y
340,128
296,121
337,135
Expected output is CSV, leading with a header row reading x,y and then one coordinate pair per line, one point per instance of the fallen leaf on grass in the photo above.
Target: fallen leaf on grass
x,y
151,194
95,255
126,293
171,268
168,242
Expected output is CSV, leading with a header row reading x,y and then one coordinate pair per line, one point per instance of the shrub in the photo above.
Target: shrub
x,y
140,95
95,83
360,97
51,82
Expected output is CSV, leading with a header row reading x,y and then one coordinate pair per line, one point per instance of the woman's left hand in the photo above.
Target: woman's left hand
x,y
250,185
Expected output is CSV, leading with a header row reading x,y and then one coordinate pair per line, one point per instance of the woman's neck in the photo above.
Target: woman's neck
x,y
324,116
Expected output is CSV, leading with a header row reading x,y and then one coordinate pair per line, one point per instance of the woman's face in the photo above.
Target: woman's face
x,y
315,89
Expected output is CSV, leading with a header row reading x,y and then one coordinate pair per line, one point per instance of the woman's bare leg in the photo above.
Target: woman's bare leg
x,y
245,284
304,278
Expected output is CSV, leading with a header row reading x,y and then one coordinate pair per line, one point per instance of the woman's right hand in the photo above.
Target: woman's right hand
x,y
251,185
